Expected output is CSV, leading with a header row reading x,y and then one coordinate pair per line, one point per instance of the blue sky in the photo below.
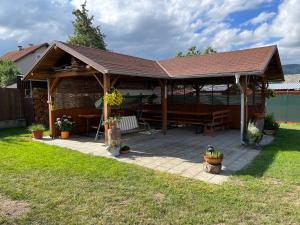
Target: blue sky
x,y
159,29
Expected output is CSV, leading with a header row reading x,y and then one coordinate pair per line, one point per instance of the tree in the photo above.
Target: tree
x,y
85,34
193,51
209,50
8,73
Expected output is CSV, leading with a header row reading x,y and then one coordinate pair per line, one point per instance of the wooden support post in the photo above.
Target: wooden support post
x,y
197,93
164,105
107,110
263,95
50,103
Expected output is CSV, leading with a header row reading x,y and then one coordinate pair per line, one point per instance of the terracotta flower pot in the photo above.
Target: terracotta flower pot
x,y
64,134
213,161
37,134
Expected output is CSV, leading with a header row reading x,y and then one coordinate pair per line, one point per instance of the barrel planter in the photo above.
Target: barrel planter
x,y
37,134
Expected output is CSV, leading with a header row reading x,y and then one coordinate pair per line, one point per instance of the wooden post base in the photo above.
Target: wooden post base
x,y
209,168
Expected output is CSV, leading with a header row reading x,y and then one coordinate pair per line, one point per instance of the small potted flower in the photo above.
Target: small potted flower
x,y
213,156
37,130
112,121
270,125
253,135
65,125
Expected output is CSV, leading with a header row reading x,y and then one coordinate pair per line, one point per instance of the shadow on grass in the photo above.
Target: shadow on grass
x,y
286,140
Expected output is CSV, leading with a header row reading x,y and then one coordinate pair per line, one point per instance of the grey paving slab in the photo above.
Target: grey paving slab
x,y
179,152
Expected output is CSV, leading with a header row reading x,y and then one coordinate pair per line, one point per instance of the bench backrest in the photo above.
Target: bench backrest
x,y
128,123
220,116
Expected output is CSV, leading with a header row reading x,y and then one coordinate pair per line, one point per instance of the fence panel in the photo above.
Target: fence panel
x,y
285,108
11,106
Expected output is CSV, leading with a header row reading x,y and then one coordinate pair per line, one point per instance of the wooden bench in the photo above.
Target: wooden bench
x,y
219,120
210,121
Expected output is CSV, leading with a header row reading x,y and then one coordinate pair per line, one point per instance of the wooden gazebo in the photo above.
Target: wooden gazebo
x,y
77,76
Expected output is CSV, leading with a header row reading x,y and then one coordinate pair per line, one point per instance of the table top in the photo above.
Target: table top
x,y
89,116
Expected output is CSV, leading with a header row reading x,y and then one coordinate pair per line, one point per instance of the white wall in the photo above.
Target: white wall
x,y
25,63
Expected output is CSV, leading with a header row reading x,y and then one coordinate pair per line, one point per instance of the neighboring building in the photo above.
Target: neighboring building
x,y
24,58
34,104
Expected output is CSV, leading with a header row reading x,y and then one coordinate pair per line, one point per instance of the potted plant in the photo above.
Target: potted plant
x,y
114,98
213,156
270,125
37,130
112,121
253,135
65,125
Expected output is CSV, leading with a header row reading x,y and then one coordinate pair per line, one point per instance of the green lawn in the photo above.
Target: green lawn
x,y
67,187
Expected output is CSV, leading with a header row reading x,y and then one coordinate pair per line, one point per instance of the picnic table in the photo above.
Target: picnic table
x,y
87,118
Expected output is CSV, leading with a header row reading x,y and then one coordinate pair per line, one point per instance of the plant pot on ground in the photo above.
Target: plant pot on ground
x,y
37,130
270,125
65,124
253,135
213,156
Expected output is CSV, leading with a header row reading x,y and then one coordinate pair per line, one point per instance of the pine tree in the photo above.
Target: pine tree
x,y
85,34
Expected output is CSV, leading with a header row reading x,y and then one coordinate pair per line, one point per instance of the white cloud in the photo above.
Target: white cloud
x,y
156,29
262,17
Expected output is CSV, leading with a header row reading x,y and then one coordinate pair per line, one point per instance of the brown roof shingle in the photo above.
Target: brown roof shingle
x,y
18,54
116,63
242,61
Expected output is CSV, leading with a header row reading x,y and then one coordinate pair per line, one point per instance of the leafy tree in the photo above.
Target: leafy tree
x,y
85,34
8,73
209,50
193,51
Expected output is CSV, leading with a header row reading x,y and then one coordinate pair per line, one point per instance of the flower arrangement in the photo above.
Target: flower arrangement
x,y
253,134
114,98
112,121
65,123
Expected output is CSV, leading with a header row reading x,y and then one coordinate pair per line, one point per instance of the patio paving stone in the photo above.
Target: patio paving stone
x,y
179,152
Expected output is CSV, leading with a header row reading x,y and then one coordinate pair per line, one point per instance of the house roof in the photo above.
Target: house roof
x,y
253,61
247,61
114,63
19,54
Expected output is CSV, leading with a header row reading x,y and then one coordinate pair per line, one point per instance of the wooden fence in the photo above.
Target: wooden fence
x,y
11,105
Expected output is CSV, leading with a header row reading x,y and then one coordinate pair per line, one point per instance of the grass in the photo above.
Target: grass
x,y
67,187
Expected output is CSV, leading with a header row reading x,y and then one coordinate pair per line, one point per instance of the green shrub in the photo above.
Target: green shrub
x,y
270,123
36,126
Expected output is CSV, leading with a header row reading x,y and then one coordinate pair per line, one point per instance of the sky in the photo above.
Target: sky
x,y
158,29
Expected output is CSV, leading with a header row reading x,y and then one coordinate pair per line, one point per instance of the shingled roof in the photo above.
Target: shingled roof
x,y
19,54
247,61
114,63
253,61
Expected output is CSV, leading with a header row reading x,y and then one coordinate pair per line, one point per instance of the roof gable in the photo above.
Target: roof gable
x,y
19,54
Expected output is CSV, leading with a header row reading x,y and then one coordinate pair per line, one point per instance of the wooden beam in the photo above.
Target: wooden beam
x,y
67,73
50,104
164,104
99,80
106,109
114,81
54,85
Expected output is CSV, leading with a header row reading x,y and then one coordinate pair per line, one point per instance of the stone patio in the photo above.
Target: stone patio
x,y
179,152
